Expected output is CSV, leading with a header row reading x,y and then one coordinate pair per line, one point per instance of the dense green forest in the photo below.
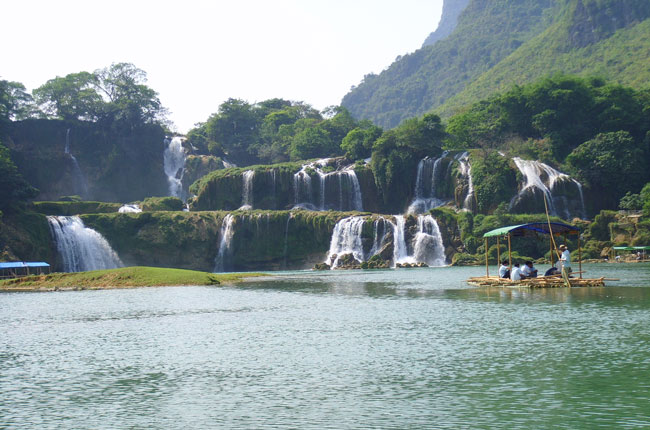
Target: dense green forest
x,y
500,43
278,130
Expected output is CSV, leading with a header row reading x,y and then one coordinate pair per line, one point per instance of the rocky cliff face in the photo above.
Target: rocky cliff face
x,y
62,159
451,9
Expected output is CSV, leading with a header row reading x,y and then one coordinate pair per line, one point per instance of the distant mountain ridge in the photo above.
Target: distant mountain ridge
x,y
451,9
499,43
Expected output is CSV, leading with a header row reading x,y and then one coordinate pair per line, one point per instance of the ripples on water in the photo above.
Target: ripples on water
x,y
353,350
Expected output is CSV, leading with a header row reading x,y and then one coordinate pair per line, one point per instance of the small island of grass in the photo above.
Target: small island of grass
x,y
127,277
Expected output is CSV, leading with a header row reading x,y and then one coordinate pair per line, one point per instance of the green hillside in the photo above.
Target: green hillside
x,y
620,55
499,43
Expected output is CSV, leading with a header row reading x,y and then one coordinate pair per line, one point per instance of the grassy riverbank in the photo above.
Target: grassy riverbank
x,y
127,277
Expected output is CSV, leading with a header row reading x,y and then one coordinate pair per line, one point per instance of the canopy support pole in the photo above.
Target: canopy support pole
x,y
579,257
509,253
487,266
498,253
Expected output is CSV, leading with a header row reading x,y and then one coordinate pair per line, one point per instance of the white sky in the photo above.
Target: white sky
x,y
198,53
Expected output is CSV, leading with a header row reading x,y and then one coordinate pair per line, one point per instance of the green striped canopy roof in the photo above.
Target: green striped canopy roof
x,y
631,248
532,228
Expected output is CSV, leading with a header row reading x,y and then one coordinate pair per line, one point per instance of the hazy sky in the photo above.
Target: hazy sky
x,y
197,54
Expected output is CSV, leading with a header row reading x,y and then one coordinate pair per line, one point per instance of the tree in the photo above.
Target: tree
x,y
310,143
128,99
13,187
607,161
15,102
73,97
116,96
357,144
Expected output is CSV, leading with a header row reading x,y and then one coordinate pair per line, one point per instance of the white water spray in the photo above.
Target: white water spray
x,y
542,177
174,164
125,209
81,248
465,169
346,239
225,245
247,187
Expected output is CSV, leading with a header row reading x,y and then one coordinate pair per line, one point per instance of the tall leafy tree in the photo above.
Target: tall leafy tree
x,y
15,102
72,97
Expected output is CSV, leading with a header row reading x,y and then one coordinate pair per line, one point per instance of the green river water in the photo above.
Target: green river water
x,y
393,349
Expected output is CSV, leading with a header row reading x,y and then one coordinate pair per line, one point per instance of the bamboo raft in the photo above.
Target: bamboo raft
x,y
540,282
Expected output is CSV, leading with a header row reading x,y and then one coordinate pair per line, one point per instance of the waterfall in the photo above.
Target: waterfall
x,y
174,164
81,248
400,251
465,170
247,193
129,209
225,244
547,180
379,232
80,184
344,181
426,185
428,246
346,239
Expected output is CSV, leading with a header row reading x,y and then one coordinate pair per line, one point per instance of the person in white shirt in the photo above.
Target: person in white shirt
x,y
529,271
516,273
504,272
565,259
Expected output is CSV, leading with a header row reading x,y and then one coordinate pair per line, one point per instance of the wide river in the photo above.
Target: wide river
x,y
393,349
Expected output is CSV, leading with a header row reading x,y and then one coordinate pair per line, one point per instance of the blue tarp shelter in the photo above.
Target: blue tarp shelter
x,y
14,269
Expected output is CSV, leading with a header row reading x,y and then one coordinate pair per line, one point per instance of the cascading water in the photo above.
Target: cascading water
x,y
548,181
465,169
174,164
346,239
426,184
247,187
81,248
400,251
380,229
125,209
428,246
427,242
80,184
344,182
225,245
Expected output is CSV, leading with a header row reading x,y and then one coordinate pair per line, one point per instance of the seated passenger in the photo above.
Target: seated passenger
x,y
504,272
552,271
516,273
529,270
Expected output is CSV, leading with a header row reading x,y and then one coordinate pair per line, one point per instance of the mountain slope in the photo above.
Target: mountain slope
x,y
619,54
487,32
451,9
499,43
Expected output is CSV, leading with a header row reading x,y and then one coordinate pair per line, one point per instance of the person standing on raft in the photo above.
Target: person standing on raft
x,y
565,260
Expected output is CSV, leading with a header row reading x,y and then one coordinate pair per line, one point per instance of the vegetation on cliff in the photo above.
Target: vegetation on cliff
x,y
273,131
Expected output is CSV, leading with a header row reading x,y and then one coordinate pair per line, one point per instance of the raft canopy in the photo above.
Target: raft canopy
x,y
534,228
632,248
